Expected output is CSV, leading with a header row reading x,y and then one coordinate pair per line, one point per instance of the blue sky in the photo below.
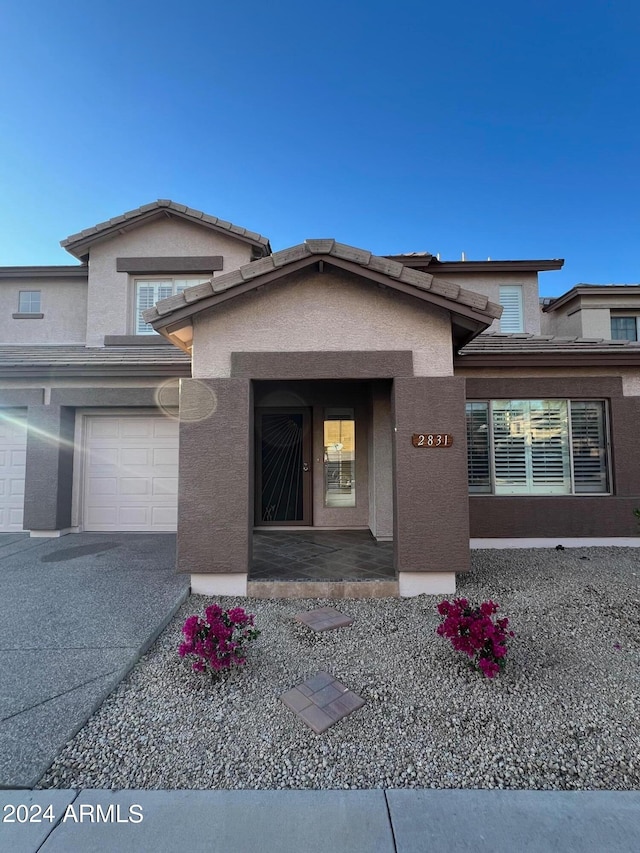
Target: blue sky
x,y
500,129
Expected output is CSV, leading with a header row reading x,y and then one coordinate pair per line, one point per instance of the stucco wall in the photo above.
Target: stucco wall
x,y
327,311
63,303
590,316
111,298
630,376
561,323
489,285
585,323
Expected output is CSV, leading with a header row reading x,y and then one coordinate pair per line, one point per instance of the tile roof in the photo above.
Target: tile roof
x,y
77,243
494,343
308,251
103,360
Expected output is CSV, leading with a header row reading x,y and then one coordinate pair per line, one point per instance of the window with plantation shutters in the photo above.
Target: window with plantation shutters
x,y
590,470
512,319
537,447
478,447
150,291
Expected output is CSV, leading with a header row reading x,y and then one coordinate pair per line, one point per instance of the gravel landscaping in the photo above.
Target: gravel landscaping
x,y
563,715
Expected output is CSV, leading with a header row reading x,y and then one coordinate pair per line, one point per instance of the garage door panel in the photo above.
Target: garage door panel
x,y
140,516
136,429
13,444
164,428
102,428
165,485
165,456
103,486
134,486
136,456
16,488
165,515
131,479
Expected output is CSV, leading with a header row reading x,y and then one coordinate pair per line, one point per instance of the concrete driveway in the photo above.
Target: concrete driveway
x,y
75,614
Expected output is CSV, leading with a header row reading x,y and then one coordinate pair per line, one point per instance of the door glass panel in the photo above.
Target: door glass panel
x,y
339,458
282,467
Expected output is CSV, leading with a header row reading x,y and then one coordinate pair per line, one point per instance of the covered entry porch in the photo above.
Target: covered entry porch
x,y
327,555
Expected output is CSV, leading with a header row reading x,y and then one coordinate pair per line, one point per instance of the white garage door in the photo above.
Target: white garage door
x,y
131,473
13,453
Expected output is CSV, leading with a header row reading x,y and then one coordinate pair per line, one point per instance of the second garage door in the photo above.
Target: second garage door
x,y
13,447
130,473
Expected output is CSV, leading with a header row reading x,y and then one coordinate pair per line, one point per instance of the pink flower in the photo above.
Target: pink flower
x,y
213,611
472,631
237,615
219,642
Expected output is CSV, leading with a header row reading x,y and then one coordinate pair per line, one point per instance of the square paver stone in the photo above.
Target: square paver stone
x,y
321,701
324,619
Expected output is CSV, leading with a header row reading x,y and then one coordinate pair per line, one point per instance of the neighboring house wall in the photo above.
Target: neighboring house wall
x,y
62,302
111,293
328,311
489,285
589,316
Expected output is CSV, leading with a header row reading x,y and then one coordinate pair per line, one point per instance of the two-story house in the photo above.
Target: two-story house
x,y
321,387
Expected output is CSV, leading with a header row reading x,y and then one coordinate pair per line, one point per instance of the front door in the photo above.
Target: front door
x,y
283,467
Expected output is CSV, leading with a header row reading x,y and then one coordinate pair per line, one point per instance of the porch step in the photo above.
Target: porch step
x,y
323,589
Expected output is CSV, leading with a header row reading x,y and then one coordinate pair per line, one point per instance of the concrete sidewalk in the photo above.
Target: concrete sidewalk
x,y
75,614
399,821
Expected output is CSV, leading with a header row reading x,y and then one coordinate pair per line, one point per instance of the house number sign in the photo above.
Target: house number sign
x,y
431,439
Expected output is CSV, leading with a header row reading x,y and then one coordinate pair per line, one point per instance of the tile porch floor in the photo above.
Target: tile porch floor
x,y
320,555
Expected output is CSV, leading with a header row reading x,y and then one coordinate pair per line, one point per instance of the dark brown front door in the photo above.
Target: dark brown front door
x,y
283,467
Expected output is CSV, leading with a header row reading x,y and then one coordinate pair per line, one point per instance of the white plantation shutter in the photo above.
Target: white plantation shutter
x,y
537,447
147,294
512,319
589,449
151,291
549,443
510,422
478,461
531,447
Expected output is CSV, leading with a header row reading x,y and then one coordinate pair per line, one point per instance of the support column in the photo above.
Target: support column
x,y
215,492
49,470
431,504
381,464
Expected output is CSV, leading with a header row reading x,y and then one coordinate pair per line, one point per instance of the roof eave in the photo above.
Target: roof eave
x,y
79,244
54,271
619,358
433,263
87,370
581,290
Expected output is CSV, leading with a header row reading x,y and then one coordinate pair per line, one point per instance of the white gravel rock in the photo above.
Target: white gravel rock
x,y
563,714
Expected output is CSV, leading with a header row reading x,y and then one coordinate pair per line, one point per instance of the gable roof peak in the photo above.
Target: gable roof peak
x,y
79,244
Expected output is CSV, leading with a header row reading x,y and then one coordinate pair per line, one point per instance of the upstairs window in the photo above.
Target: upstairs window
x,y
624,328
150,291
537,447
512,319
29,302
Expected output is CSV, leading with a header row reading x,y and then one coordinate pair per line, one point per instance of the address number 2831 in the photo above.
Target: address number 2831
x,y
432,439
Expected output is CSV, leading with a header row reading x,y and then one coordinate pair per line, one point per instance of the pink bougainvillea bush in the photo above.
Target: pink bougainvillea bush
x,y
473,631
219,640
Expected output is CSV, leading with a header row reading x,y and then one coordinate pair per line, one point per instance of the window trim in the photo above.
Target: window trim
x,y
491,493
616,316
23,311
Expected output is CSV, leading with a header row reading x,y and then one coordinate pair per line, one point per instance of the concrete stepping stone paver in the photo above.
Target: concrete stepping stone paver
x,y
321,701
324,619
